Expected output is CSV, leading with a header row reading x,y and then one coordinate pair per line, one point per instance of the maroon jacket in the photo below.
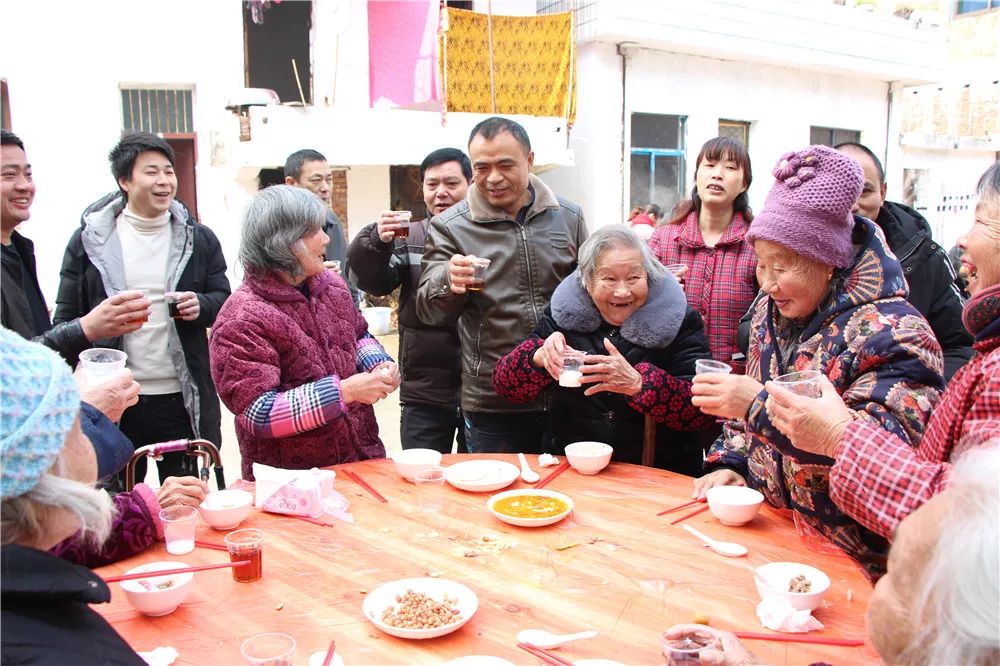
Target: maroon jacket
x,y
270,337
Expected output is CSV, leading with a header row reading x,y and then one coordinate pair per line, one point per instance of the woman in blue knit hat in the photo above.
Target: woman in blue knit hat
x,y
48,469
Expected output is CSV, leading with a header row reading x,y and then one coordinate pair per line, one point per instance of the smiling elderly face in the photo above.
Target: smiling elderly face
x,y
981,246
619,285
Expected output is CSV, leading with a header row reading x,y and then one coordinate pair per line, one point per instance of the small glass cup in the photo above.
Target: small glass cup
x,y
140,317
686,649
429,483
480,266
173,298
178,528
100,363
571,373
333,265
403,218
801,383
246,546
270,649
706,365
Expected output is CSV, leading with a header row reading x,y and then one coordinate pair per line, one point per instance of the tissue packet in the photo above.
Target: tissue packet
x,y
298,492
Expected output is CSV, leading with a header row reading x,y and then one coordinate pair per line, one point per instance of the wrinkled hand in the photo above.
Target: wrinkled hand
x,y
390,371
549,355
181,491
387,226
612,373
123,313
725,396
812,424
188,305
112,396
720,477
332,265
461,272
367,387
731,653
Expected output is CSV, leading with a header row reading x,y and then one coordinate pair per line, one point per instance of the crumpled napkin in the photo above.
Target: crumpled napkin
x,y
299,492
779,616
161,656
547,460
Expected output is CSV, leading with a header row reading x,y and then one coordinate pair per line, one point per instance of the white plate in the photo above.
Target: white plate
x,y
384,596
479,660
530,522
481,476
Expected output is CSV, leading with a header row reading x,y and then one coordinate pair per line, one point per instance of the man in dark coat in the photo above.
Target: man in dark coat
x,y
935,289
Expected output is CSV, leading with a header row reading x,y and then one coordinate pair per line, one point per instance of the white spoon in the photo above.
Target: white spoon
x,y
546,639
528,475
727,548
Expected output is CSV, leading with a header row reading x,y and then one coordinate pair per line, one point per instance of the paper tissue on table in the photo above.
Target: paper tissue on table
x,y
778,616
299,492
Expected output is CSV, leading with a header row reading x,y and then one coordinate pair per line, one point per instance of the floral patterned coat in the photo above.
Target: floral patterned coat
x,y
883,359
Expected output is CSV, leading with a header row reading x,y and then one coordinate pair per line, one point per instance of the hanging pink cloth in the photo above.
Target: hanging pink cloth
x,y
402,52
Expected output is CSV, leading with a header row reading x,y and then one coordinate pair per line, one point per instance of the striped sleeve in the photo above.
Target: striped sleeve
x,y
371,354
298,410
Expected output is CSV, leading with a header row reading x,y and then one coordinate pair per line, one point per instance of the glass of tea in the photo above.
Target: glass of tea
x,y
246,545
480,266
403,218
173,298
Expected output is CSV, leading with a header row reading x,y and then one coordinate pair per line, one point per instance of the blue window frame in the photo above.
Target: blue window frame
x,y
657,160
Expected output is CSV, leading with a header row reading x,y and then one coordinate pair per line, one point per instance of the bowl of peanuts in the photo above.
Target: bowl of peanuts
x,y
420,608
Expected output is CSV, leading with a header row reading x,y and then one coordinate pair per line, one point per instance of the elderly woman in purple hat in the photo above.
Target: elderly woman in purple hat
x,y
836,304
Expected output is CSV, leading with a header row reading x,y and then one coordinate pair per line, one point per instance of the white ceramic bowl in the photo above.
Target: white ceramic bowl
x,y
225,509
410,462
777,576
529,522
588,457
153,600
734,505
384,596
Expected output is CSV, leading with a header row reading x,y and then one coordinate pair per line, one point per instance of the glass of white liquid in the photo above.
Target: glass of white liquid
x,y
571,370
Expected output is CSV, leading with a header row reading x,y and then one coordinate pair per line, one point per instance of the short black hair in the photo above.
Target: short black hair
x,y
654,210
293,165
442,155
490,127
867,151
127,151
10,139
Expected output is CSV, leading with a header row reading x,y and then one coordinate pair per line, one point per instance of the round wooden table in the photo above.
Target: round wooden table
x,y
613,566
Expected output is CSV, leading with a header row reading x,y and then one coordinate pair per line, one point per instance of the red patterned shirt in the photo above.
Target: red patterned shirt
x,y
721,282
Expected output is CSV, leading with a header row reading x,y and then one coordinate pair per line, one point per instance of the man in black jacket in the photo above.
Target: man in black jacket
x,y
429,358
935,289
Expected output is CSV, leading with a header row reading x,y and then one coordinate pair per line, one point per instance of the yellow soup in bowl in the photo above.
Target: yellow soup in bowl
x,y
530,506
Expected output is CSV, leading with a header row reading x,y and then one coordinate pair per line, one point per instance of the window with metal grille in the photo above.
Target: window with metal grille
x,y
736,129
832,136
157,110
658,145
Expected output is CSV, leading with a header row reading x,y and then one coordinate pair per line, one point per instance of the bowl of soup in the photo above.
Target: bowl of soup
x,y
527,507
157,595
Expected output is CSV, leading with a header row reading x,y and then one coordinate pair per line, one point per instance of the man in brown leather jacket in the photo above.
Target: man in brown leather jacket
x,y
531,238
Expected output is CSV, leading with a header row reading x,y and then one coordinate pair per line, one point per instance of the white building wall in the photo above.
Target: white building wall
x,y
780,103
368,195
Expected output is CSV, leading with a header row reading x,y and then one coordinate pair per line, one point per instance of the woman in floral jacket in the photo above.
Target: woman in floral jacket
x,y
836,304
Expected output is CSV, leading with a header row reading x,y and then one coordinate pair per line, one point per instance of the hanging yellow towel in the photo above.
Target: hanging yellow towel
x,y
534,64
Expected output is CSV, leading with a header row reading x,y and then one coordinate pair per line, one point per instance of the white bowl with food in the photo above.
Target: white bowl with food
x,y
734,505
226,509
528,507
157,595
588,457
481,476
799,585
410,462
452,605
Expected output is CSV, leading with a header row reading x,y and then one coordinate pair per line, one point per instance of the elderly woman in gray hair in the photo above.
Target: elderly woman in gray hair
x,y
291,355
629,320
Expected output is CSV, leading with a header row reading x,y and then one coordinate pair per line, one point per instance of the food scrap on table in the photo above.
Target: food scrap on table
x,y
547,460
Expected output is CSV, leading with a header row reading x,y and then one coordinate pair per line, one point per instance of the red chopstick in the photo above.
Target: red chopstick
x,y
688,515
544,655
213,546
800,638
364,484
556,472
170,572
330,651
310,519
678,507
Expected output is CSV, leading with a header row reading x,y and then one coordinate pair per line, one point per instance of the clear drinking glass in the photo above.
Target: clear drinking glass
x,y
802,383
429,483
707,365
270,649
178,528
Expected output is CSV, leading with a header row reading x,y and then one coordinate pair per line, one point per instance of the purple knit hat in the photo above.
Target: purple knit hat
x,y
808,209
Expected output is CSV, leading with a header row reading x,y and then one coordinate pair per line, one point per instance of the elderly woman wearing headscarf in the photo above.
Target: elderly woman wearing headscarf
x,y
47,482
291,354
835,304
641,339
877,477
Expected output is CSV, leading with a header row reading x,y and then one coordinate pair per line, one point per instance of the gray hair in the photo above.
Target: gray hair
x,y
278,218
958,601
24,519
615,237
